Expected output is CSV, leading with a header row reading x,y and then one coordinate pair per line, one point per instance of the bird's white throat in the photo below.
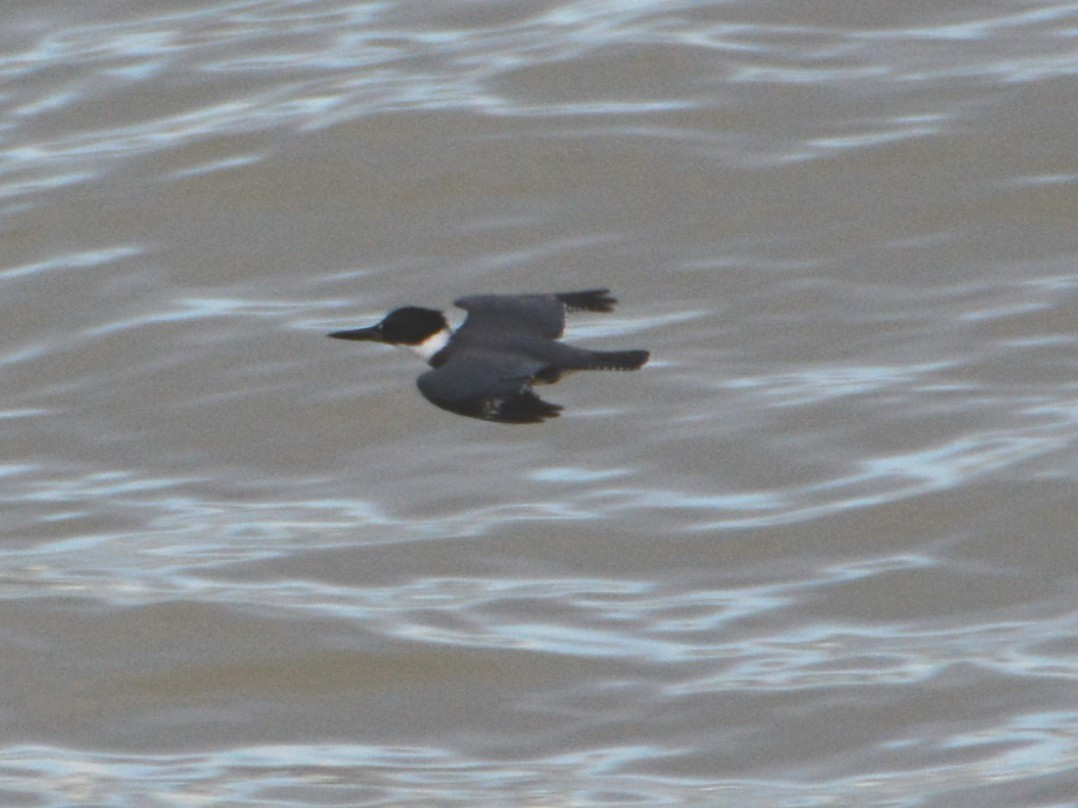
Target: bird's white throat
x,y
432,344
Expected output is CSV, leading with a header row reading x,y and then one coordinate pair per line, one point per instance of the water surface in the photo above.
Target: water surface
x,y
820,551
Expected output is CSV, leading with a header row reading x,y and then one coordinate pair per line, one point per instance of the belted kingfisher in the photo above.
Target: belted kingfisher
x,y
486,368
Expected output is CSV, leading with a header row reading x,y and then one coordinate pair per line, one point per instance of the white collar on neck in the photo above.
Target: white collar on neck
x,y
432,344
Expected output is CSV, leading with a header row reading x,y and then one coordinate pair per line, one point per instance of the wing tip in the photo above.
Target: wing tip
x,y
524,408
527,408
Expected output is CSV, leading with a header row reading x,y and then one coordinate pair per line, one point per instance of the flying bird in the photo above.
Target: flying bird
x,y
486,368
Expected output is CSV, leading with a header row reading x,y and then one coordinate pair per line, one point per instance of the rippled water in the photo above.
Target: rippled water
x,y
821,551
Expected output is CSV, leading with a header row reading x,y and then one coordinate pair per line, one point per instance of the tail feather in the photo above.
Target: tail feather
x,y
588,300
617,360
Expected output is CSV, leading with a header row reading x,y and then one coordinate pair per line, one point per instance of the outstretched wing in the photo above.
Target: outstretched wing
x,y
488,386
534,315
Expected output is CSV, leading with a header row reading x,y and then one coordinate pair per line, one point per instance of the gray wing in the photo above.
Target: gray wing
x,y
489,387
535,315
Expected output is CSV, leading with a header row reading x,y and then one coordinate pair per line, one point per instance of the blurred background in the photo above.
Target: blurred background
x,y
820,551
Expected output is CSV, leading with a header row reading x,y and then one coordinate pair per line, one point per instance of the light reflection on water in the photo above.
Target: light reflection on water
x,y
637,621
375,775
71,262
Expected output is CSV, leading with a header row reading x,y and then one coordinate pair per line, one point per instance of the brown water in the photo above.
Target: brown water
x,y
822,551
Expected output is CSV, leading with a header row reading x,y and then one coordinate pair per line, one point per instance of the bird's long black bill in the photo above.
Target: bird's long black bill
x,y
370,334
